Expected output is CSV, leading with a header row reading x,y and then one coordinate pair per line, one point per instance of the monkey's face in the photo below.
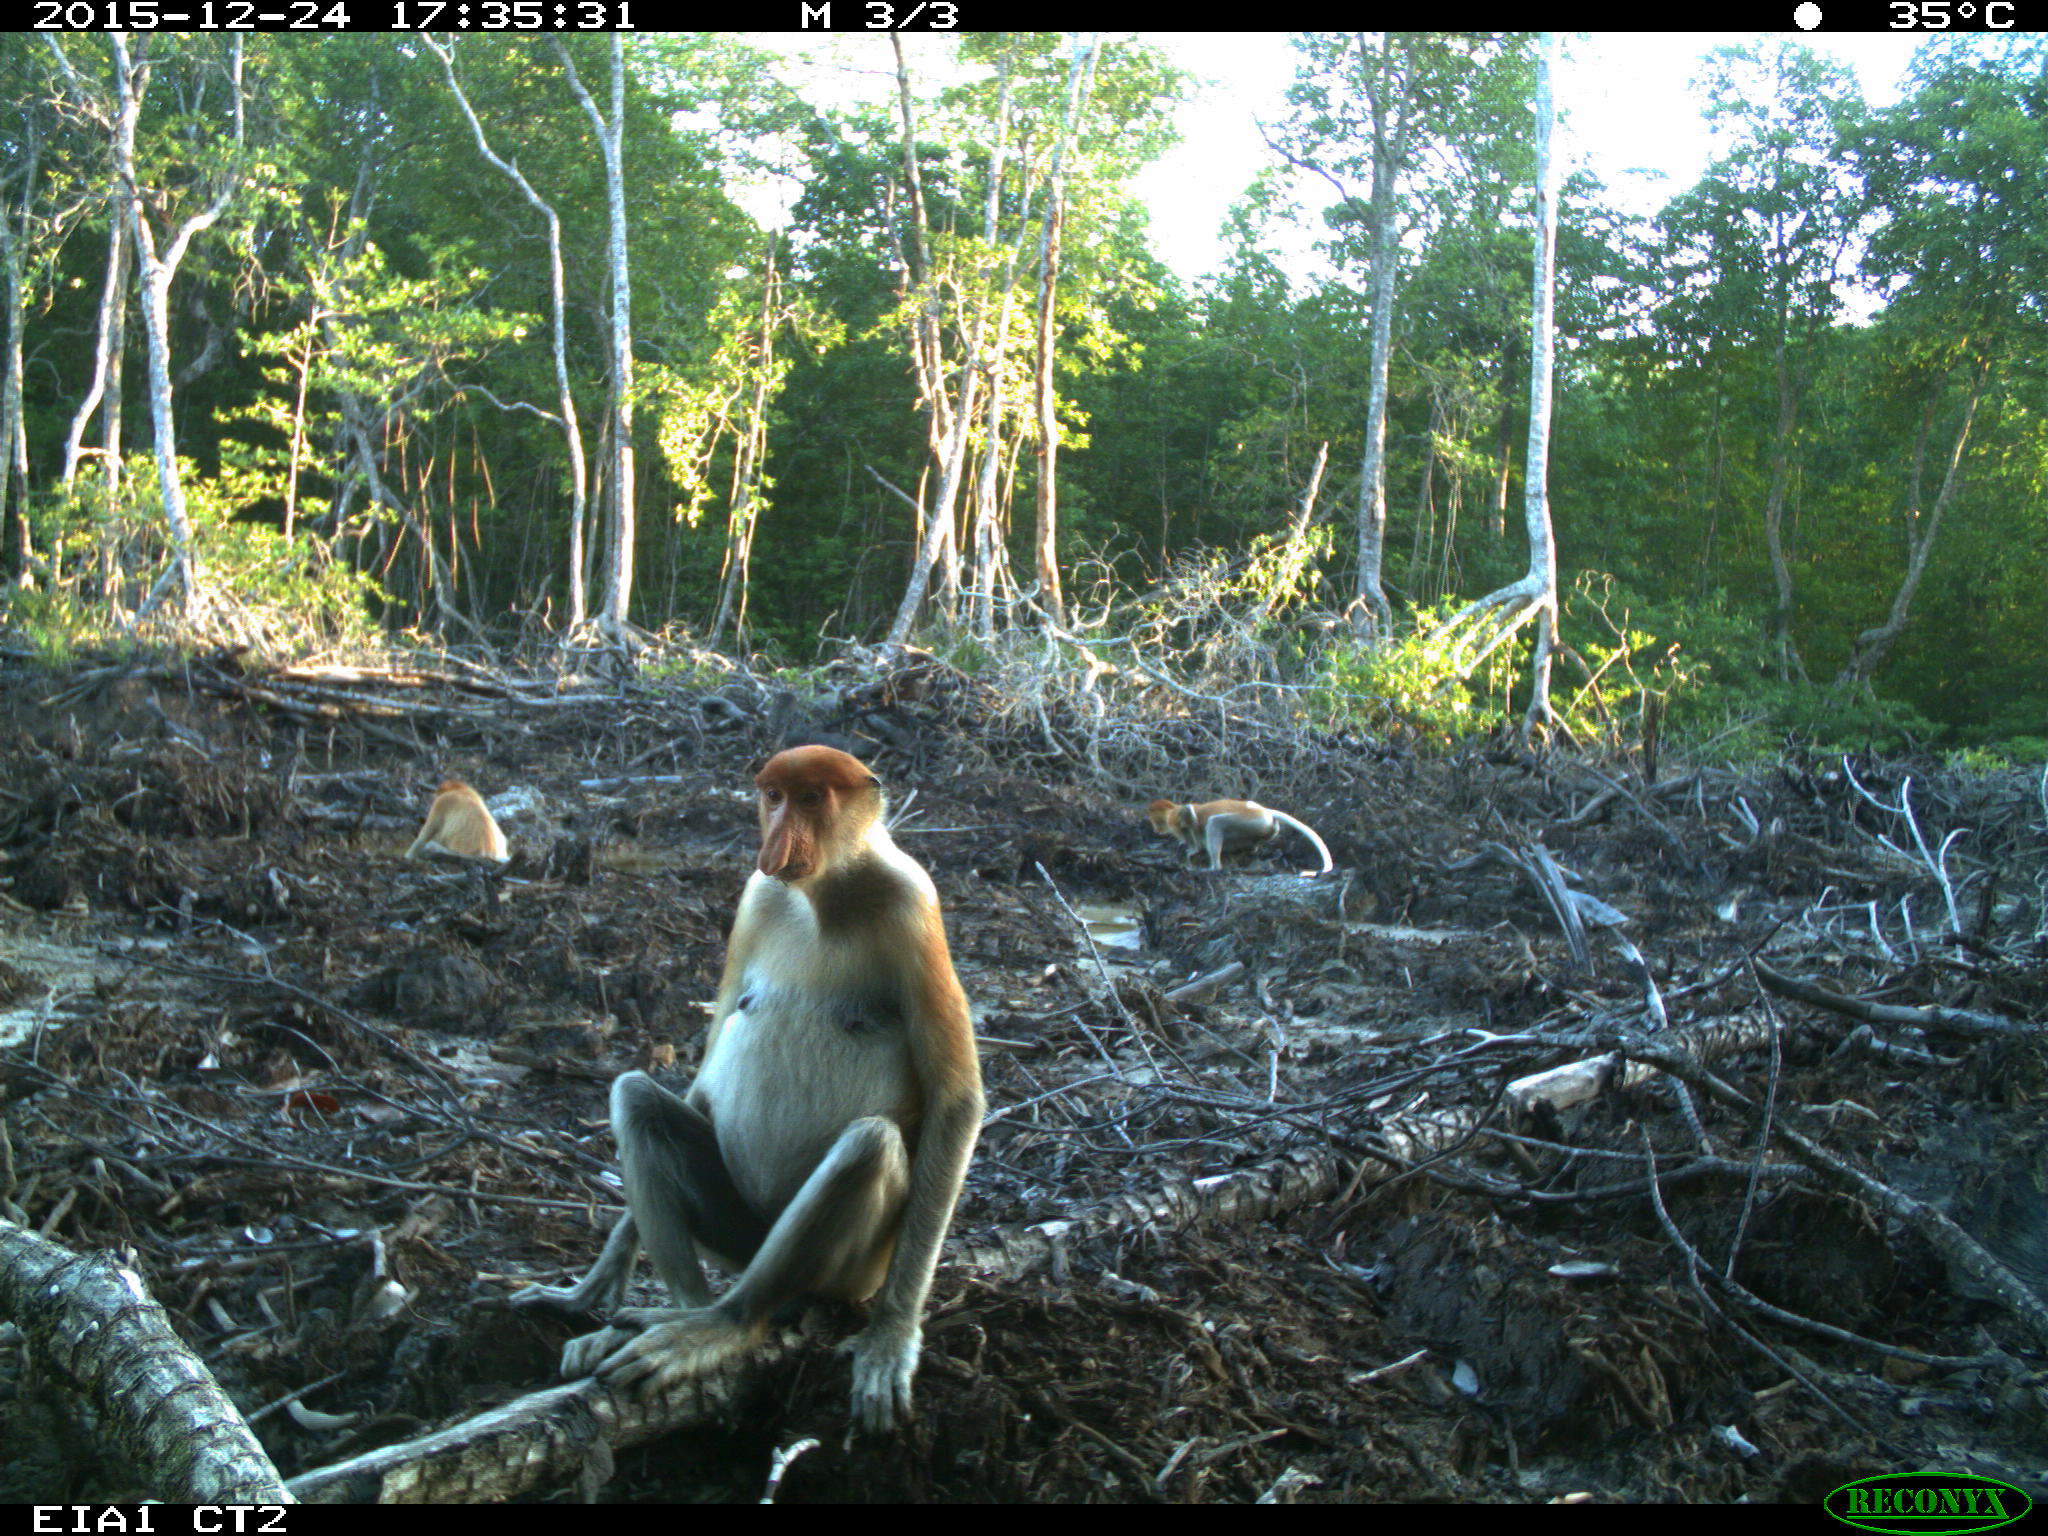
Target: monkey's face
x,y
792,821
813,799
1162,815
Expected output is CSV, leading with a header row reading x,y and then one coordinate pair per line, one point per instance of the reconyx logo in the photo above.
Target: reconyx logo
x,y
1917,1502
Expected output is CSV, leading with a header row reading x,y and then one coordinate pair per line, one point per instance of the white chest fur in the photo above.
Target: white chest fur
x,y
817,1039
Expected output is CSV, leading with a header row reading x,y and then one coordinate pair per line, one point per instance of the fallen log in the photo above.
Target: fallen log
x,y
91,1320
569,1432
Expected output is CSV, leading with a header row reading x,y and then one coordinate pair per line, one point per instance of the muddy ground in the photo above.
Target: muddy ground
x,y
296,1082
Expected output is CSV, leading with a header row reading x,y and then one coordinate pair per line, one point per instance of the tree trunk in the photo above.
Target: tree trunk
x,y
1504,441
13,434
1536,475
572,431
1874,644
753,448
106,340
156,269
1482,626
988,544
1789,662
1422,550
1370,609
611,136
1294,554
950,420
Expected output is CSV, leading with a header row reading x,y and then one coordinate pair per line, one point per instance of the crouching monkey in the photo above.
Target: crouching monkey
x,y
459,822
1225,826
821,1148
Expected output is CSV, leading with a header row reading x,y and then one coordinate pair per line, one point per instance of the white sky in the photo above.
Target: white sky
x,y
1623,99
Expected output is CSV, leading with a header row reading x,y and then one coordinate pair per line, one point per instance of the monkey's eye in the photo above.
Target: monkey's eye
x,y
772,796
808,797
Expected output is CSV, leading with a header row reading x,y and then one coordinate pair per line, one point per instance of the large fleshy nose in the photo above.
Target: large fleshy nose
x,y
786,845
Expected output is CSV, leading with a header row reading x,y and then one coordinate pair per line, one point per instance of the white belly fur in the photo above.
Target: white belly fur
x,y
807,1077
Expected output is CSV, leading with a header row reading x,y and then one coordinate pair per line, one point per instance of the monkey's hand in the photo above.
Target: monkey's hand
x,y
671,1345
885,1355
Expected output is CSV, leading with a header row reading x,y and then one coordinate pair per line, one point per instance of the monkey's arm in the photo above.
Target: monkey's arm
x,y
1214,836
437,823
885,1353
739,949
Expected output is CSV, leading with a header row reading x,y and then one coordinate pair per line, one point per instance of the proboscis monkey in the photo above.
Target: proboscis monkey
x,y
459,822
1224,826
821,1148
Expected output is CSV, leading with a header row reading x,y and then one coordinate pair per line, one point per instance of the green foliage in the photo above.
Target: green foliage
x,y
676,663
965,651
1408,683
1703,661
1802,332
2020,752
103,557
1709,666
287,596
55,625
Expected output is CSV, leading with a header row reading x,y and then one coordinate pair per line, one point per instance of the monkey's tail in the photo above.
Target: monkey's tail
x,y
1309,832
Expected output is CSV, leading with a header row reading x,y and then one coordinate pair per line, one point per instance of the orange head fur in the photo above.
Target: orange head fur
x,y
814,802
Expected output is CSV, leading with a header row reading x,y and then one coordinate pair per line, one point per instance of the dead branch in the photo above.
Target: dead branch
x,y
1573,1082
1957,1247
1964,1022
90,1319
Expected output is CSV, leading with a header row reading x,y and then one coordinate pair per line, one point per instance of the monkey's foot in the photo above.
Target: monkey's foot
x,y
673,1344
885,1358
582,1355
557,1298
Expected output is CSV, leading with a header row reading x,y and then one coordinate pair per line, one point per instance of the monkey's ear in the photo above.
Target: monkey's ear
x,y
873,782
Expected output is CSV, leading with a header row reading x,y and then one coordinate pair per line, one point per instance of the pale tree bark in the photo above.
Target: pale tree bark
x,y
612,136
1790,665
107,339
1294,553
1536,473
990,566
1871,647
17,223
572,431
753,449
1392,123
99,1336
157,266
1045,538
111,331
949,420
1482,626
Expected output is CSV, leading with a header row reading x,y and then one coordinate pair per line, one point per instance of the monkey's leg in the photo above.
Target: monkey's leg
x,y
678,1187
679,1192
834,1238
604,1287
1215,840
661,1134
